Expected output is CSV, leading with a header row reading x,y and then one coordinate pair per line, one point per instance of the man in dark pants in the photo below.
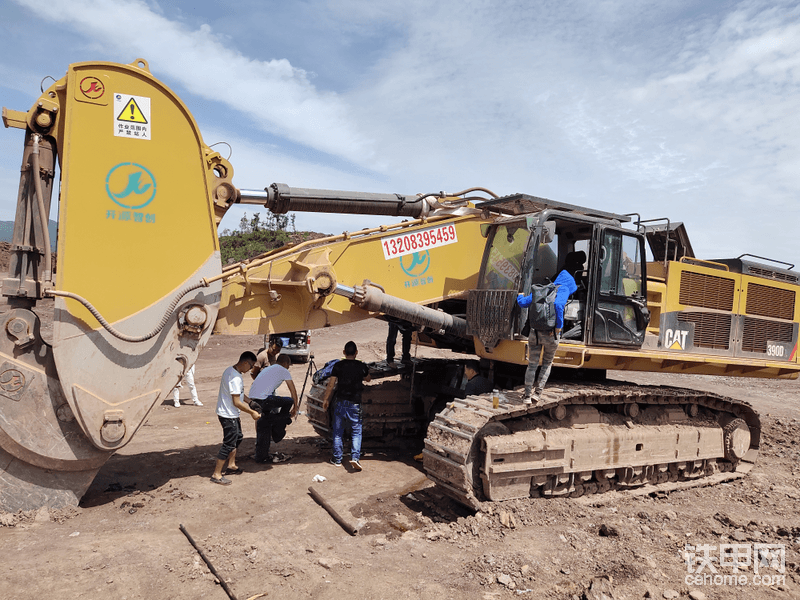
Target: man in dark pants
x,y
277,411
347,378
230,402
391,339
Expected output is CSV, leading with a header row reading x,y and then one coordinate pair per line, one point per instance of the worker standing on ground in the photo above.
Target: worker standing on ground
x,y
477,384
545,333
229,404
276,411
189,379
347,378
267,356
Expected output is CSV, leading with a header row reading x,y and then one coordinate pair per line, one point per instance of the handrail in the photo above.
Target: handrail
x,y
666,247
782,262
690,259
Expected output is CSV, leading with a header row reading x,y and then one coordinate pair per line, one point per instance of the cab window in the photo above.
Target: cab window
x,y
620,265
504,264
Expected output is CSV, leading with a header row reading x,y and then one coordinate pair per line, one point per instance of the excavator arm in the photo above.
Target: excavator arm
x,y
137,281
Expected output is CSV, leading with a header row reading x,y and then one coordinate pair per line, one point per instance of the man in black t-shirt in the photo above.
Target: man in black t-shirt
x,y
347,378
477,384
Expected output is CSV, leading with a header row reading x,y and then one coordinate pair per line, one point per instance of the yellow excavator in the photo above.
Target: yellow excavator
x,y
138,288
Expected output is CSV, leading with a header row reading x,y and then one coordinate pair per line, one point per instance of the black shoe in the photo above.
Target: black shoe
x,y
278,433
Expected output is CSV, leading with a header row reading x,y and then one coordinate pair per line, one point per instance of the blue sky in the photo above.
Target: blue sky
x,y
680,109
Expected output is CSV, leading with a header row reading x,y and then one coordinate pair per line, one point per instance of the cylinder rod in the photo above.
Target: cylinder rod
x,y
280,199
372,299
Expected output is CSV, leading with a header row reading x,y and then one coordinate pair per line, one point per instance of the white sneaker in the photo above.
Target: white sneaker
x,y
356,465
176,404
197,403
527,400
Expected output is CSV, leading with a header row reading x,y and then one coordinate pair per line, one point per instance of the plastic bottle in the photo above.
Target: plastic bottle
x,y
495,398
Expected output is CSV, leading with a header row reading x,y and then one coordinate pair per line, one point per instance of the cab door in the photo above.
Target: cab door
x,y
618,291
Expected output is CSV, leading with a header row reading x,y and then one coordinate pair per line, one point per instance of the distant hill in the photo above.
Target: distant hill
x,y
7,232
235,247
240,246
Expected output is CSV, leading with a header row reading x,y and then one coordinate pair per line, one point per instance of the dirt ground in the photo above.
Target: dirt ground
x,y
268,538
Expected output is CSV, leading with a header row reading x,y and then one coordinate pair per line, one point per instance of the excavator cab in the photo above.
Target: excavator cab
x,y
607,262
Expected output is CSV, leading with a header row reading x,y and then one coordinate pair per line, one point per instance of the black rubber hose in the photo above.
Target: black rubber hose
x,y
127,338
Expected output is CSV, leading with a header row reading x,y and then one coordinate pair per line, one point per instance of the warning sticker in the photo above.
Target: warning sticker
x,y
132,116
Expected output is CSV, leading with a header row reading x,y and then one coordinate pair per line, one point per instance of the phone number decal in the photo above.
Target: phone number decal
x,y
419,241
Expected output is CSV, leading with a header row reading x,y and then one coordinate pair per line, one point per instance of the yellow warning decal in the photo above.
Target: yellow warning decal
x,y
675,346
132,113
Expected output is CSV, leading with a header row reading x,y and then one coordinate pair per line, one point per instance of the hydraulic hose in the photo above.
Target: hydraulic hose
x,y
37,185
461,193
119,335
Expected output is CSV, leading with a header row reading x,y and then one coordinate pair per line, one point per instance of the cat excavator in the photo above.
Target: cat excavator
x,y
137,288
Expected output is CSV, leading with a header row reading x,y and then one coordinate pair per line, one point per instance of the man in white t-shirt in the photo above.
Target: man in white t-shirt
x,y
230,402
276,411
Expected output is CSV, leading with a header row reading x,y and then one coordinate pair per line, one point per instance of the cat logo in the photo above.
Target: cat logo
x,y
675,339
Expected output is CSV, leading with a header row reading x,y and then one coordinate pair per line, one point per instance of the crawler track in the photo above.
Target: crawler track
x,y
586,439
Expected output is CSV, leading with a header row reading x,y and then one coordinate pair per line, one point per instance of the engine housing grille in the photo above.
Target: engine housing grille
x,y
707,291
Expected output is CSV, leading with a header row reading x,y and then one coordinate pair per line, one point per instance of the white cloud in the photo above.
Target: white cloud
x,y
682,109
277,97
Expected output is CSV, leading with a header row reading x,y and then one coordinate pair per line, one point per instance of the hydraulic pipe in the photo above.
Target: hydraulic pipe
x,y
44,217
373,299
280,199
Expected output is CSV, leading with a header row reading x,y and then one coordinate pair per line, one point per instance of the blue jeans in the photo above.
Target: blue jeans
x,y
345,413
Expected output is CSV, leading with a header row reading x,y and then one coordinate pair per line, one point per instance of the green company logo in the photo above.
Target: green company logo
x,y
133,183
415,264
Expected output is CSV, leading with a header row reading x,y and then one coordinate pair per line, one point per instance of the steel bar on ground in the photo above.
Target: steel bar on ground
x,y
348,527
224,585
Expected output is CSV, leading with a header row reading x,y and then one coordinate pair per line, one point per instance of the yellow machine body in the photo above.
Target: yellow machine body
x,y
284,290
139,287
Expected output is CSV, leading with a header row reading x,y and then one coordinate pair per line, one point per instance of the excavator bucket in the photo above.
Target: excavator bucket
x,y
139,200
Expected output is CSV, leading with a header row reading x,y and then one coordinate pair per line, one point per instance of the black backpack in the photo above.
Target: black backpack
x,y
542,311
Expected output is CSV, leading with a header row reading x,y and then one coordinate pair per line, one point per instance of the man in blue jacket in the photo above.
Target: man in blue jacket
x,y
545,342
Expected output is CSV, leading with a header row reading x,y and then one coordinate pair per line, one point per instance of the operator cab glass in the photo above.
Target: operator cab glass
x,y
606,262
506,251
621,315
